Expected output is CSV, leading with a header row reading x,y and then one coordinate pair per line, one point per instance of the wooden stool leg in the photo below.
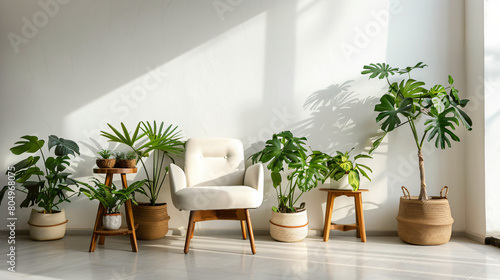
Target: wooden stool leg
x,y
250,231
189,231
360,217
97,225
243,230
129,217
328,217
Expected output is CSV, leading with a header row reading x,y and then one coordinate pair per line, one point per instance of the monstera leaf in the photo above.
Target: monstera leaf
x,y
380,70
389,113
64,147
32,145
441,128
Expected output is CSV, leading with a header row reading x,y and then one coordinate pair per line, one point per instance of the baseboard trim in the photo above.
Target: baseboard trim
x,y
475,237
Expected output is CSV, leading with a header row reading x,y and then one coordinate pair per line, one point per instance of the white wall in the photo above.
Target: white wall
x,y
242,71
492,115
475,150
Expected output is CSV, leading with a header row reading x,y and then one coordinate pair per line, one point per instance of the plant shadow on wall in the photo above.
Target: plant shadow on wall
x,y
338,118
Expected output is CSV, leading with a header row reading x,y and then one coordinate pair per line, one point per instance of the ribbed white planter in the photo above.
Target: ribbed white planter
x,y
47,226
289,227
342,184
112,221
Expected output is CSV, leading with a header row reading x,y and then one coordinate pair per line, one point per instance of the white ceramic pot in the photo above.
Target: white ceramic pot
x,y
112,221
47,226
342,184
289,227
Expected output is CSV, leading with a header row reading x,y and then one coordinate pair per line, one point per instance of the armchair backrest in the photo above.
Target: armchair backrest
x,y
214,162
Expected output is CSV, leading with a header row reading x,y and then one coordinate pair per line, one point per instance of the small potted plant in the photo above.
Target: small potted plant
x,y
284,151
112,199
126,159
423,219
345,173
105,161
45,182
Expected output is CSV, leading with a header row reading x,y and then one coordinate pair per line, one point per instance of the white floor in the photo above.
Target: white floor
x,y
229,257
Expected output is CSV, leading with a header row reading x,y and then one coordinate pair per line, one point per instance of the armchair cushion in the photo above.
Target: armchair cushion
x,y
217,197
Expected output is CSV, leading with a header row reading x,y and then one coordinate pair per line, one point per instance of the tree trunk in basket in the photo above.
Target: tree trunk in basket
x,y
423,187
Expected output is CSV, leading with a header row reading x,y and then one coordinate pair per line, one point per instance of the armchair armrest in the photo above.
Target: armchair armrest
x,y
177,179
254,177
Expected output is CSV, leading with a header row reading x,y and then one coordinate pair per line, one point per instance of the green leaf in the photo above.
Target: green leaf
x,y
32,145
441,128
362,156
64,147
276,178
354,179
275,209
409,69
377,143
380,70
450,80
389,112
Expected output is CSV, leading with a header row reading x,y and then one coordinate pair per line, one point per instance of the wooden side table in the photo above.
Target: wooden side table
x,y
131,227
359,226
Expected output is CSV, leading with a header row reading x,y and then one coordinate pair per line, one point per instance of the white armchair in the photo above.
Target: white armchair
x,y
215,184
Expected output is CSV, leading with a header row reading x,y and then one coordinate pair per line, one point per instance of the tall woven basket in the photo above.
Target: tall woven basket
x,y
424,222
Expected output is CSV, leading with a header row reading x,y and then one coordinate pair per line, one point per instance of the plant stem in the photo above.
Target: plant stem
x,y
423,188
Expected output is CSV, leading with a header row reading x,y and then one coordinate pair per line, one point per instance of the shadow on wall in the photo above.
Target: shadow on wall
x,y
337,118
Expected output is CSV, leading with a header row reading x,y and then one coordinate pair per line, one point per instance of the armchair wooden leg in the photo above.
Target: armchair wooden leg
x,y
192,232
189,231
250,231
243,230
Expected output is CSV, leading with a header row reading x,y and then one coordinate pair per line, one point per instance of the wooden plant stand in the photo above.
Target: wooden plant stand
x,y
359,226
131,227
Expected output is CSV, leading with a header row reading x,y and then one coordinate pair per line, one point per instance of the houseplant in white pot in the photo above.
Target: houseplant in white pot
x,y
422,220
111,199
45,183
284,151
161,143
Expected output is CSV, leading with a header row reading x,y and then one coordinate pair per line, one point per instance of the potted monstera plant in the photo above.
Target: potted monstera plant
x,y
160,143
286,153
423,219
45,182
112,199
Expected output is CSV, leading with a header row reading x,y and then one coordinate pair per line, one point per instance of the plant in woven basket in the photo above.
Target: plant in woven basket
x,y
408,102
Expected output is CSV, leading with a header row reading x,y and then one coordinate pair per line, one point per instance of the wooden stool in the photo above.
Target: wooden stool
x,y
131,227
359,226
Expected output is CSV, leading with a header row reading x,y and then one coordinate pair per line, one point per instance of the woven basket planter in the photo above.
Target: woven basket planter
x,y
424,222
125,163
105,162
152,220
289,227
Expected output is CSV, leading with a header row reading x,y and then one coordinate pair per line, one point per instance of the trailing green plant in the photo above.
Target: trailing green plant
x,y
407,102
111,197
341,165
105,154
162,142
126,155
286,151
44,182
